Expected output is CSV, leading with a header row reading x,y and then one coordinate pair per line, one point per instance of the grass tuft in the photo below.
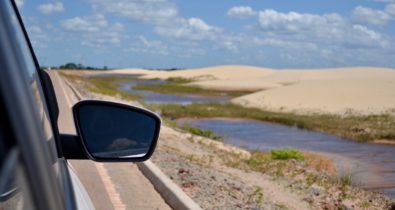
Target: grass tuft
x,y
286,154
201,132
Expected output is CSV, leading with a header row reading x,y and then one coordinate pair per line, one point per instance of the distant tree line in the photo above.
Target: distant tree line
x,y
74,66
165,69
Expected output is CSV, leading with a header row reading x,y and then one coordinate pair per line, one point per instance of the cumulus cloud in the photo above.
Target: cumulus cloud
x,y
364,15
194,29
294,22
326,28
37,36
101,39
85,24
147,11
390,9
51,7
95,30
241,12
162,15
143,45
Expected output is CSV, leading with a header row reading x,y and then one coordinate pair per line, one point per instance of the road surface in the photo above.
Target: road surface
x,y
110,185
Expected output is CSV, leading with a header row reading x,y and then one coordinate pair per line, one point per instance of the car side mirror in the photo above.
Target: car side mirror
x,y
116,132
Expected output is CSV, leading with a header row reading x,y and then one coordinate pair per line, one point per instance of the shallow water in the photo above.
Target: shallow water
x,y
158,98
371,165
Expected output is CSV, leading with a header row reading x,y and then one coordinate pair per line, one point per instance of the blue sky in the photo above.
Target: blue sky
x,y
188,34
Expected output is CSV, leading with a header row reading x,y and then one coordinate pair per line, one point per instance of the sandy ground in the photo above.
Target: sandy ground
x,y
360,90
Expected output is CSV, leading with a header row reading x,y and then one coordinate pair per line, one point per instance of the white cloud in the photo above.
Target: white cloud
x,y
147,11
193,29
37,36
19,3
100,39
390,9
95,30
324,29
364,15
51,7
241,12
294,22
143,45
162,15
85,24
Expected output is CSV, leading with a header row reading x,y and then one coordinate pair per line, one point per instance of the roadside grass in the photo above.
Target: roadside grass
x,y
304,172
178,86
104,85
257,195
201,132
110,86
286,154
345,181
360,128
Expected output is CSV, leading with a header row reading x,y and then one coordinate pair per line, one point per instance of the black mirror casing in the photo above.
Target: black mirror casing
x,y
110,131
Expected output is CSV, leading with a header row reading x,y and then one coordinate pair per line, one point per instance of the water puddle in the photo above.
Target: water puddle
x,y
371,165
158,98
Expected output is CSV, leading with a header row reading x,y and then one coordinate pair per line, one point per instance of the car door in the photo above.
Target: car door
x,y
30,130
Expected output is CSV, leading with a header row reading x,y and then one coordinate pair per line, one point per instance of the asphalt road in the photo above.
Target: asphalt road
x,y
110,185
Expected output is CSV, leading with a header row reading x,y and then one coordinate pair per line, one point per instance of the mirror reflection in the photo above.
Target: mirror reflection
x,y
118,132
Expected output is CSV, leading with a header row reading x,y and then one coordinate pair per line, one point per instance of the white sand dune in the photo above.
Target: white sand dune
x,y
362,90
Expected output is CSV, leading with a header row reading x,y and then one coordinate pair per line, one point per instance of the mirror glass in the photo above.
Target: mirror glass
x,y
110,131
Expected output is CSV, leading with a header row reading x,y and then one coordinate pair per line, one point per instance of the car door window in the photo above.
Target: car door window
x,y
29,167
15,193
35,85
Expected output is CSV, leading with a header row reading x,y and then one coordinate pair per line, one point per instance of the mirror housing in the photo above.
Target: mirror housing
x,y
114,132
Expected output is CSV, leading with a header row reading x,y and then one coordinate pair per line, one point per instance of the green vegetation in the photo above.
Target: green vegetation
x,y
345,179
257,195
177,86
286,154
110,86
361,128
281,206
293,166
201,132
257,159
179,80
104,85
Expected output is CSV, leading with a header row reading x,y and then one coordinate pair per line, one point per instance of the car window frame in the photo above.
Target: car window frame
x,y
22,114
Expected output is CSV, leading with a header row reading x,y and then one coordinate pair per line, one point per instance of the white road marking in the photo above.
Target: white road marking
x,y
103,174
